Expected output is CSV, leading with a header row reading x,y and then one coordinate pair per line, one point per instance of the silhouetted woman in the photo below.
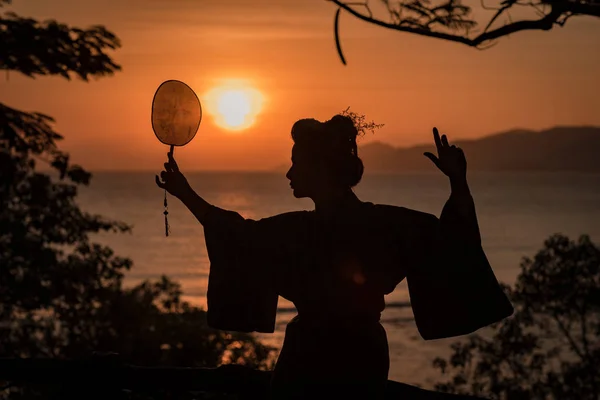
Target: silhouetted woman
x,y
337,263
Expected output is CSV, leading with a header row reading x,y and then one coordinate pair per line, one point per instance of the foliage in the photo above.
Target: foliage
x,y
550,348
61,293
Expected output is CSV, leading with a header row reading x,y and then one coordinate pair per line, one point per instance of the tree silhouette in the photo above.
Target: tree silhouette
x,y
454,21
62,294
550,348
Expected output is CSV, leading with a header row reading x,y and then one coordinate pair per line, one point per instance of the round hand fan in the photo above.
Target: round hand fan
x,y
176,116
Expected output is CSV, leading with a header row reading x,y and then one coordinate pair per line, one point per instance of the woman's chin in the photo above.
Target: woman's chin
x,y
298,194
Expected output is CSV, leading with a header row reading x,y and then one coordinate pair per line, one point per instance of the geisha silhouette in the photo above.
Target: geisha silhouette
x,y
337,262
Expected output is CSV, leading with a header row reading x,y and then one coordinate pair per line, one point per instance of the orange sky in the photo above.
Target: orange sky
x,y
286,49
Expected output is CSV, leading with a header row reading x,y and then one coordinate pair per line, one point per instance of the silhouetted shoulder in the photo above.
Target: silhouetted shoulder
x,y
226,220
280,234
405,216
285,218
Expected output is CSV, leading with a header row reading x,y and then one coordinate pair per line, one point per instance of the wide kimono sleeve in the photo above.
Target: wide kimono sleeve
x,y
242,294
453,289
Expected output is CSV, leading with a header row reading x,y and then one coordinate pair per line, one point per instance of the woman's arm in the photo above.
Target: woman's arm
x,y
196,204
458,216
454,291
177,185
458,219
241,295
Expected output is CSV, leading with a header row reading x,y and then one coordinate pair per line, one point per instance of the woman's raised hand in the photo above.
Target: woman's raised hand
x,y
450,159
172,180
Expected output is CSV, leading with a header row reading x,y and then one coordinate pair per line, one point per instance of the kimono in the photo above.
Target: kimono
x,y
337,272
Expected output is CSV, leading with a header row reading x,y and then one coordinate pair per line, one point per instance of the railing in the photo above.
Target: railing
x,y
103,376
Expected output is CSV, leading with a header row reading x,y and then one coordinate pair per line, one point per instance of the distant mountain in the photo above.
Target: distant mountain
x,y
555,149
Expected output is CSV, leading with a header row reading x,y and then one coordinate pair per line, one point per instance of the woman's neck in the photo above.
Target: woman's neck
x,y
332,203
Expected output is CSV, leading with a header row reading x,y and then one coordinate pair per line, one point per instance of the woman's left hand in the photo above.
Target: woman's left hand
x,y
450,159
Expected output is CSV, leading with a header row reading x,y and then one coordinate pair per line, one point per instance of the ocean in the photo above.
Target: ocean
x,y
517,211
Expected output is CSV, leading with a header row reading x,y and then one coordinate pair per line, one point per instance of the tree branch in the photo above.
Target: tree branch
x,y
584,339
418,31
567,334
590,8
544,23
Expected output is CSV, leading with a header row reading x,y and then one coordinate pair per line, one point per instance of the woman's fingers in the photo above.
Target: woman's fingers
x,y
164,175
172,161
445,140
168,167
159,183
461,153
436,139
433,158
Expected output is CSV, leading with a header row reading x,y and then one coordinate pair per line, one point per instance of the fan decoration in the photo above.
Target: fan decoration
x,y
176,116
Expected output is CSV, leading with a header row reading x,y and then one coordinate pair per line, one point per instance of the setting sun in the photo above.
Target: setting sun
x,y
234,105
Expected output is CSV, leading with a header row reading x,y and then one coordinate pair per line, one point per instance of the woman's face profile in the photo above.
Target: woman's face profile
x,y
306,178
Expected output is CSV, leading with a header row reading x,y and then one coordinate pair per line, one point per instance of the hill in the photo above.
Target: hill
x,y
555,149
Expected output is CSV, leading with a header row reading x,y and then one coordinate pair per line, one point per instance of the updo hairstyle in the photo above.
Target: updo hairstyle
x,y
333,144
